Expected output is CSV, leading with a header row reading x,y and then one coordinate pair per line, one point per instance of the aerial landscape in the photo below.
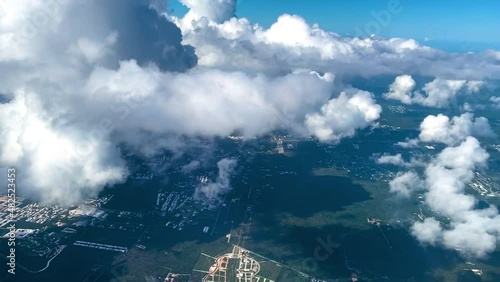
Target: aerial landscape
x,y
249,140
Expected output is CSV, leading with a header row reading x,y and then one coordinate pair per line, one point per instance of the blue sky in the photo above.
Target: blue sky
x,y
458,25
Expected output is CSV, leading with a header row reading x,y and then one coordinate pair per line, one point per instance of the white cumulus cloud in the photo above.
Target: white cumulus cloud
x,y
438,93
341,116
98,74
211,193
391,159
471,231
404,184
291,42
442,129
